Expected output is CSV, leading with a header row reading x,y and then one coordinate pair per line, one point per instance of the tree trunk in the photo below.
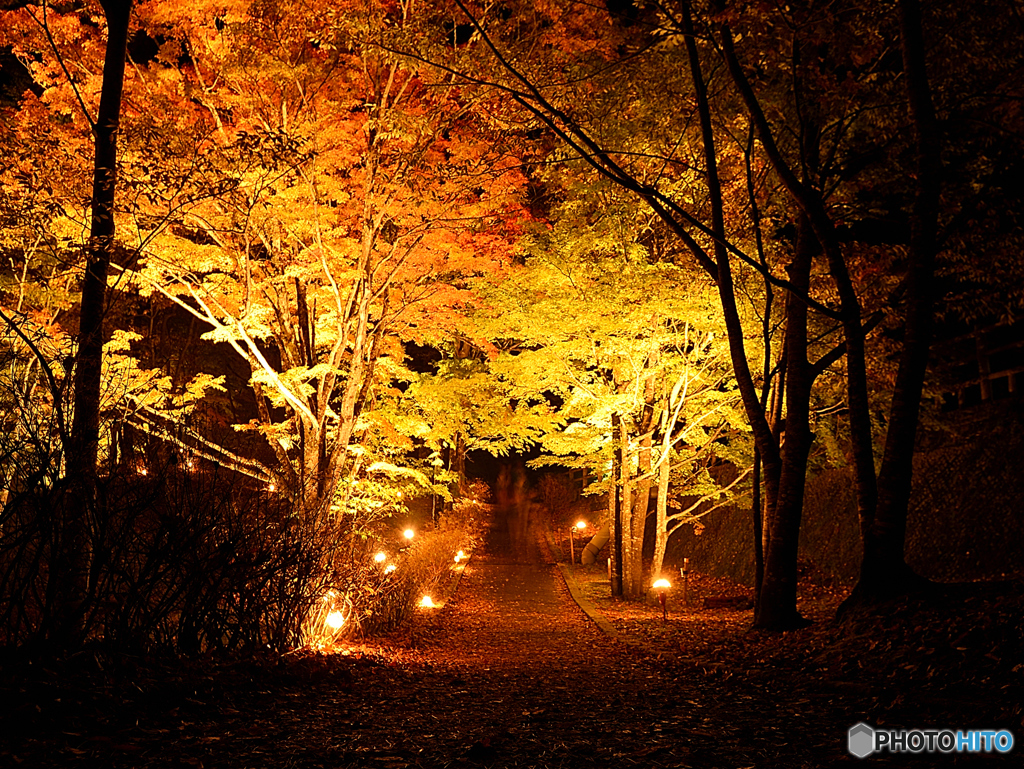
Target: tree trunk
x,y
661,524
783,475
629,559
615,511
884,571
777,603
641,506
69,579
102,242
757,518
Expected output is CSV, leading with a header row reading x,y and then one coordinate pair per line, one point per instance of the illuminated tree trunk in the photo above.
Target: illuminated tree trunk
x,y
615,509
661,522
641,507
630,557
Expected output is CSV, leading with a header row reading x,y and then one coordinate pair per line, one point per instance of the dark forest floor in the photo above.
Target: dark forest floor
x,y
511,673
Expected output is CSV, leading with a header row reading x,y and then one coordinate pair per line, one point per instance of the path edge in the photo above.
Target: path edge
x,y
587,606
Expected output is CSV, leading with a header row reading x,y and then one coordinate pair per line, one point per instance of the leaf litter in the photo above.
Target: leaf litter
x,y
511,673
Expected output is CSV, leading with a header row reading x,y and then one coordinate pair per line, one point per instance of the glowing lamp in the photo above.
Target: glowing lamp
x,y
335,620
581,525
380,557
391,567
409,533
427,602
661,586
272,487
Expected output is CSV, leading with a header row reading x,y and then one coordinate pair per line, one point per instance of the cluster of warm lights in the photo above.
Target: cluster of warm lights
x,y
328,619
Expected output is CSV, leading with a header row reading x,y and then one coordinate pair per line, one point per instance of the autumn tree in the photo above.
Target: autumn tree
x,y
868,107
662,167
595,330
325,219
310,200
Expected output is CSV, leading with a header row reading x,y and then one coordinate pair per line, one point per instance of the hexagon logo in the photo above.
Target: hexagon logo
x,y
860,740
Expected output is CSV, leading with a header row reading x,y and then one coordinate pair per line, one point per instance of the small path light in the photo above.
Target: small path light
x,y
662,585
580,525
427,602
409,534
391,567
380,557
685,573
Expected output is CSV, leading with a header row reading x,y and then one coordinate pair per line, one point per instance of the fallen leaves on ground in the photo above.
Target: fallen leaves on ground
x,y
510,673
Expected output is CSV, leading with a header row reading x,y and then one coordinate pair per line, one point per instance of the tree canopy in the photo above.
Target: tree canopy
x,y
335,248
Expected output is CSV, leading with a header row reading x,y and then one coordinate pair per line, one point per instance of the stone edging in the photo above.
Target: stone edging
x,y
588,606
603,623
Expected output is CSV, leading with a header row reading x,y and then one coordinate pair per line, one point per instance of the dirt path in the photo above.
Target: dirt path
x,y
509,673
512,673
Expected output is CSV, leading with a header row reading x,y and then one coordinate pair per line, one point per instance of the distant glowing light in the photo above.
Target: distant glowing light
x,y
459,556
335,620
409,533
581,524
662,584
391,567
380,557
271,487
143,471
427,602
329,595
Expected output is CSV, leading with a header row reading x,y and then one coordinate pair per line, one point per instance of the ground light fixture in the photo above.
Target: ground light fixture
x,y
409,534
427,602
580,525
662,586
